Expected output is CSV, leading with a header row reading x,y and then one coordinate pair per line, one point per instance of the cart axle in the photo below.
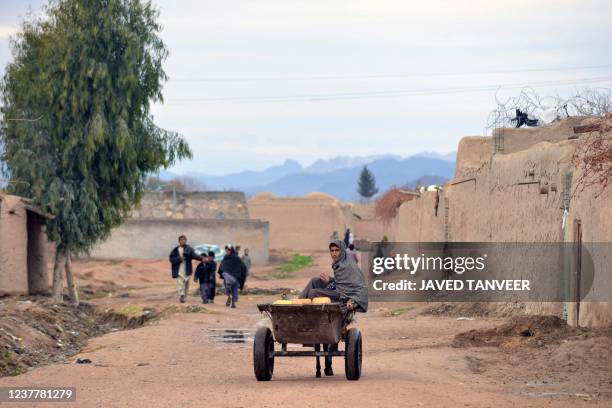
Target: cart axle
x,y
281,353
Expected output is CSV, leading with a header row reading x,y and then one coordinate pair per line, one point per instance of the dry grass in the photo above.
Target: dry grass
x,y
594,158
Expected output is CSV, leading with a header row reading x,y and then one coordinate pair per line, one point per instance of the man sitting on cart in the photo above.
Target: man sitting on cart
x,y
347,285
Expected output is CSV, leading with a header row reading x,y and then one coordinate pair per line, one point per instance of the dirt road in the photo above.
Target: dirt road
x,y
182,361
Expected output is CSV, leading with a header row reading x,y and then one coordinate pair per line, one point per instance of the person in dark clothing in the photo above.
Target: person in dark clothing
x,y
233,272
180,259
347,237
522,118
347,286
211,268
381,250
198,277
205,274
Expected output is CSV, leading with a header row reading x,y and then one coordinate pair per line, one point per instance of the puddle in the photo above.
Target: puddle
x,y
231,336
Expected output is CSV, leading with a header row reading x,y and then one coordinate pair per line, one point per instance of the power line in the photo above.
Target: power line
x,y
379,94
387,76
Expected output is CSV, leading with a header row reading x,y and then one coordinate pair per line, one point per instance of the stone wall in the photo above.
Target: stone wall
x,y
154,239
192,205
210,217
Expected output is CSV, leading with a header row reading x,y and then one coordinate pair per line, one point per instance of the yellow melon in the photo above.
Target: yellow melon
x,y
301,301
319,300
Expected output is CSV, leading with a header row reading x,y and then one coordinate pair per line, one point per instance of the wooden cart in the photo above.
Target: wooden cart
x,y
309,325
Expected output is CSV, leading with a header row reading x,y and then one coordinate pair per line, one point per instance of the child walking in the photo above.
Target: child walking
x,y
205,274
233,273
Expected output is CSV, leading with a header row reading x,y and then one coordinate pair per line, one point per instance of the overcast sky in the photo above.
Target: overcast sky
x,y
253,83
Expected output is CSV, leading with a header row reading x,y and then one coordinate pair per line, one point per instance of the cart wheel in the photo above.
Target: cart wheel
x,y
352,355
263,354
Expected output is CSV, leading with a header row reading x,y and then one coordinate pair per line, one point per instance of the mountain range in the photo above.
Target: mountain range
x,y
337,176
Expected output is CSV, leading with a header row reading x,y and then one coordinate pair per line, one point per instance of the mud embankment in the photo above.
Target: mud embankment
x,y
36,331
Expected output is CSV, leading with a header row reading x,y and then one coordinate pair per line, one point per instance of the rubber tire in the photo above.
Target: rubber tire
x,y
263,346
352,355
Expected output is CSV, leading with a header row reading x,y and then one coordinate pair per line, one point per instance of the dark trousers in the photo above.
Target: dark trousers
x,y
207,290
317,288
231,288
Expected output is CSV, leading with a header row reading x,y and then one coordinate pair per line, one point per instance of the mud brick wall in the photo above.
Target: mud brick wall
x,y
518,196
23,249
301,223
13,246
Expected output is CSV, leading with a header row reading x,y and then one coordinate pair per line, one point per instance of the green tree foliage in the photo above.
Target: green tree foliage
x,y
366,185
77,135
77,132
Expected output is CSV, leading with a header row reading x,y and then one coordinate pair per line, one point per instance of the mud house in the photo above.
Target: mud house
x,y
23,244
519,186
306,223
211,217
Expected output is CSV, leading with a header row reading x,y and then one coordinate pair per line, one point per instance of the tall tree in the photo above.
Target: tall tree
x,y
77,132
366,185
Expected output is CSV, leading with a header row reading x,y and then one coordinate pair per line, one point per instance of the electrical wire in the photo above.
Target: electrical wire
x,y
387,76
381,94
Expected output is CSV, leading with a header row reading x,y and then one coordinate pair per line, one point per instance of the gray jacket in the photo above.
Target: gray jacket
x,y
349,279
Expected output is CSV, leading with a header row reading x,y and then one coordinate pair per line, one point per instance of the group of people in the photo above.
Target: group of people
x,y
346,286
233,270
349,238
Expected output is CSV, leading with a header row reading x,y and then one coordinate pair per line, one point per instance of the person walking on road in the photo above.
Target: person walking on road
x,y
233,273
205,274
246,259
180,259
211,269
